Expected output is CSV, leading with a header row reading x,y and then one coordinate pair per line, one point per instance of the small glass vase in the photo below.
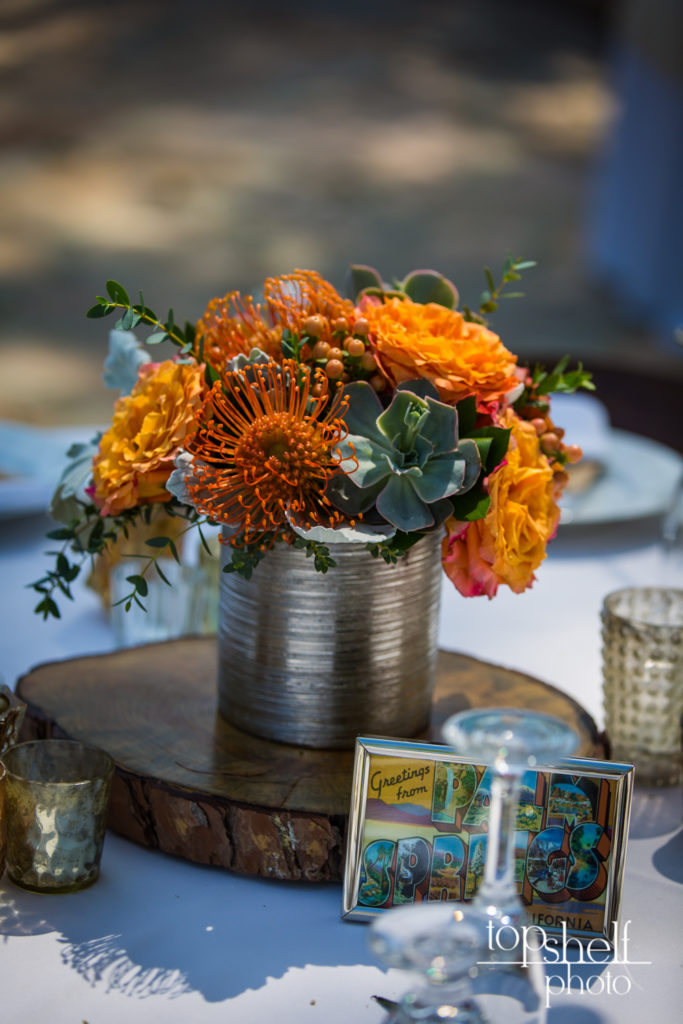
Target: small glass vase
x,y
185,608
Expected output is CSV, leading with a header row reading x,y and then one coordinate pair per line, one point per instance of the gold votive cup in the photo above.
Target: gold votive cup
x,y
56,802
642,658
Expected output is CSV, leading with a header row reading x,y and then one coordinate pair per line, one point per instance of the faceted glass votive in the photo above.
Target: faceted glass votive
x,y
11,716
642,658
56,802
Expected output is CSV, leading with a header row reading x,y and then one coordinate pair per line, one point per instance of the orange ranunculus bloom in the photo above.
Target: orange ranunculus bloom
x,y
149,426
509,544
459,358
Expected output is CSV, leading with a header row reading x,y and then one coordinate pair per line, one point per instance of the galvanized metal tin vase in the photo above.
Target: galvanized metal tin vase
x,y
317,659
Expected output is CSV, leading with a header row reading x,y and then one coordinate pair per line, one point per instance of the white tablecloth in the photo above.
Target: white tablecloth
x,y
158,939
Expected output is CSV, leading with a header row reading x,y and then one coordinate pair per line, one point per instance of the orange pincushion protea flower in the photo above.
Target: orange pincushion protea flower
x,y
460,358
261,453
232,326
294,298
149,427
509,544
235,324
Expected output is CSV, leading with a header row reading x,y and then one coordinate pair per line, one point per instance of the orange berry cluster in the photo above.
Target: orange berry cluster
x,y
551,443
347,355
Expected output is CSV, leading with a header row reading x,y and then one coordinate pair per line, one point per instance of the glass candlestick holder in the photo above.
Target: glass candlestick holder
x,y
438,944
467,974
509,741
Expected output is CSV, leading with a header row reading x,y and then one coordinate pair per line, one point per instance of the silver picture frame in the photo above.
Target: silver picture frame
x,y
399,798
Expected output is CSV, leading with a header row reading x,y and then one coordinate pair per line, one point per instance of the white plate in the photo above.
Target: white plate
x,y
31,463
640,480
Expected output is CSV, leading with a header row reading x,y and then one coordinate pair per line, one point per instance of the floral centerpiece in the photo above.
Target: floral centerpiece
x,y
310,418
385,423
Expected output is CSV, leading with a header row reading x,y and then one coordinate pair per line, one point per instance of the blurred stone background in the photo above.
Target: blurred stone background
x,y
192,148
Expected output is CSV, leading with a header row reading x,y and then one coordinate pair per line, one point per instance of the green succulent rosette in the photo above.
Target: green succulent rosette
x,y
407,460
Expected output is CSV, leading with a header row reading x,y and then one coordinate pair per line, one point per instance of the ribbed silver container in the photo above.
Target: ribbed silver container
x,y
316,660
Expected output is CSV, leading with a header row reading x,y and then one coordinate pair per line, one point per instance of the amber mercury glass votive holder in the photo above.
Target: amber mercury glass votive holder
x,y
642,658
56,802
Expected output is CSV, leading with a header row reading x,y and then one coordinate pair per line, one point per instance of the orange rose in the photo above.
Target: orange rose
x,y
460,358
509,544
149,427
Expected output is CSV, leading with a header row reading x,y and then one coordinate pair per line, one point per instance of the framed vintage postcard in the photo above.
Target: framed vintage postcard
x,y
418,828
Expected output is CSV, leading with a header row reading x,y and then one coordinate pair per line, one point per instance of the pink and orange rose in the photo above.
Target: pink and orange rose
x,y
509,544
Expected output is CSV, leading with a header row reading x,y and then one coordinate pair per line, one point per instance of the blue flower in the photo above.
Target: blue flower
x,y
126,356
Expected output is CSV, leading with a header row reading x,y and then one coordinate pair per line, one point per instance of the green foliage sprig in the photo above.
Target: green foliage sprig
x,y
541,383
395,547
491,296
245,557
85,538
320,553
163,330
136,313
559,379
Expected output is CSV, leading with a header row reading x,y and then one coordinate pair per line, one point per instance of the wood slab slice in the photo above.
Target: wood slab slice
x,y
189,783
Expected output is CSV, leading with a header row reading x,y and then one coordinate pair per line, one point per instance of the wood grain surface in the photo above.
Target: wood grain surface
x,y
189,783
